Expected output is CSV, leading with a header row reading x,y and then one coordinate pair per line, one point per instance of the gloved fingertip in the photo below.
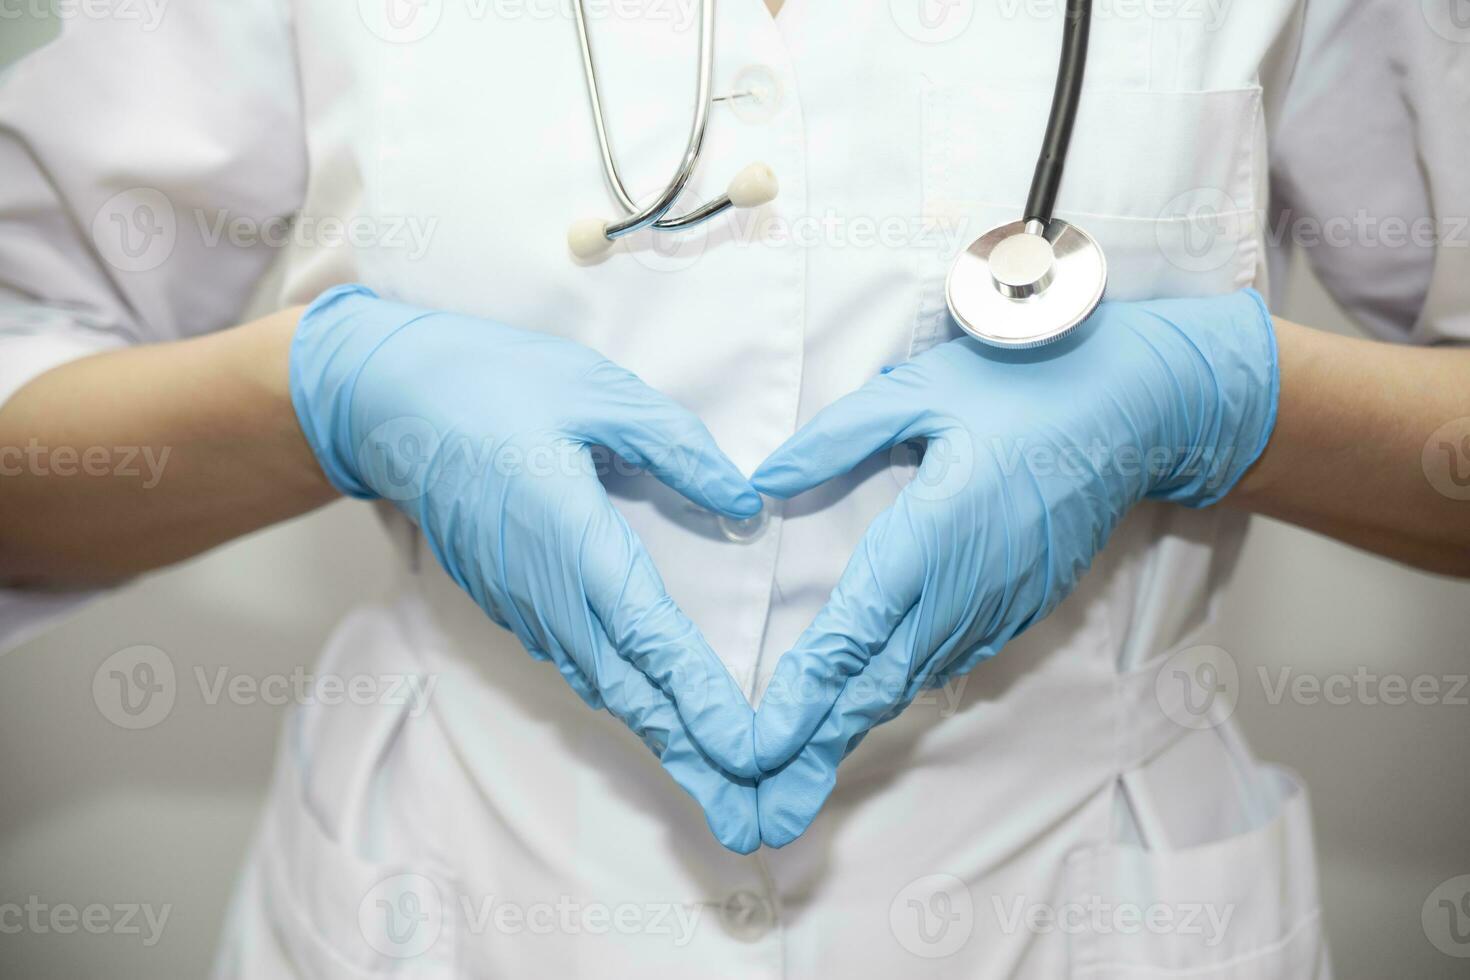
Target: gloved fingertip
x,y
727,494
735,757
718,717
788,801
742,840
736,827
746,505
777,478
780,825
776,740
779,839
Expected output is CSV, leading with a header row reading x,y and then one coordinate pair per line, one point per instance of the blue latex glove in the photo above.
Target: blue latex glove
x,y
1032,459
483,435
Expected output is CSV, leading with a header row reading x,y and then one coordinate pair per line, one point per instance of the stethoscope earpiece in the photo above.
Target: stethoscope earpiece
x,y
754,186
588,239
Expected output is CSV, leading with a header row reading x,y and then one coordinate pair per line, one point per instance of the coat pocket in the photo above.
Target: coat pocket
x,y
1171,185
1241,908
348,885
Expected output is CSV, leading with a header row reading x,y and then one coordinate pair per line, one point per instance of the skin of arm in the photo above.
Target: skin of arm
x,y
1344,460
135,459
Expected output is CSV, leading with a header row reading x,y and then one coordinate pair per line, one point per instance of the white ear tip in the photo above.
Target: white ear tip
x,y
588,238
754,186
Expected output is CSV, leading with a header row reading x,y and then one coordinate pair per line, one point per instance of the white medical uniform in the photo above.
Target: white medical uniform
x,y
509,831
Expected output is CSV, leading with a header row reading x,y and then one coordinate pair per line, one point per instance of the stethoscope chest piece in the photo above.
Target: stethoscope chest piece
x,y
1024,284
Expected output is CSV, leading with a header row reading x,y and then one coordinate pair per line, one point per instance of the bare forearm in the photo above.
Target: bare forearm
x,y
1348,455
134,459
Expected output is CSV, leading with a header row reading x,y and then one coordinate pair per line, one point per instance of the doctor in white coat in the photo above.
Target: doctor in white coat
x,y
1069,808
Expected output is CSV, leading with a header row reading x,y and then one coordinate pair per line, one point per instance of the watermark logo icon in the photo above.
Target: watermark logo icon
x,y
401,21
402,917
1446,917
1201,230
395,457
672,250
1450,19
135,688
932,917
136,230
937,469
932,21
1446,459
1198,687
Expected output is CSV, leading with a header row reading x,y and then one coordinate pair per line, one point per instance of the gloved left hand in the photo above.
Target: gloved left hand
x,y
483,434
1032,458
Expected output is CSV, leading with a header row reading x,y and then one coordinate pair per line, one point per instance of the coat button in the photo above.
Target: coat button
x,y
748,530
747,916
756,94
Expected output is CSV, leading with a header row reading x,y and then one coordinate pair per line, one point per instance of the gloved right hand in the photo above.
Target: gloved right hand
x,y
1032,458
481,434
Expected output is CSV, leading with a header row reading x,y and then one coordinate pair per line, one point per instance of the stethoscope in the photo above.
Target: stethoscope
x,y
1022,284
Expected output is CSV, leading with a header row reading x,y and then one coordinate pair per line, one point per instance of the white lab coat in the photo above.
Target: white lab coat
x,y
1040,818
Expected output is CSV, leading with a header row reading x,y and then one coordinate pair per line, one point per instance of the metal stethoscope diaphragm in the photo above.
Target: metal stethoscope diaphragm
x,y
1030,282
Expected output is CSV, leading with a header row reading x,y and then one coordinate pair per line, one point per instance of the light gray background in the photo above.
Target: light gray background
x,y
90,813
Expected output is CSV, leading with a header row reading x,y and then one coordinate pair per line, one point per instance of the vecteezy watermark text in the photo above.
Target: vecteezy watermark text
x,y
138,687
128,462
411,915
1100,917
39,917
148,14
1210,13
408,234
1364,686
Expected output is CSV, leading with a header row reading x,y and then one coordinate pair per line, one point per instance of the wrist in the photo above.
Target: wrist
x,y
329,347
262,351
1227,371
